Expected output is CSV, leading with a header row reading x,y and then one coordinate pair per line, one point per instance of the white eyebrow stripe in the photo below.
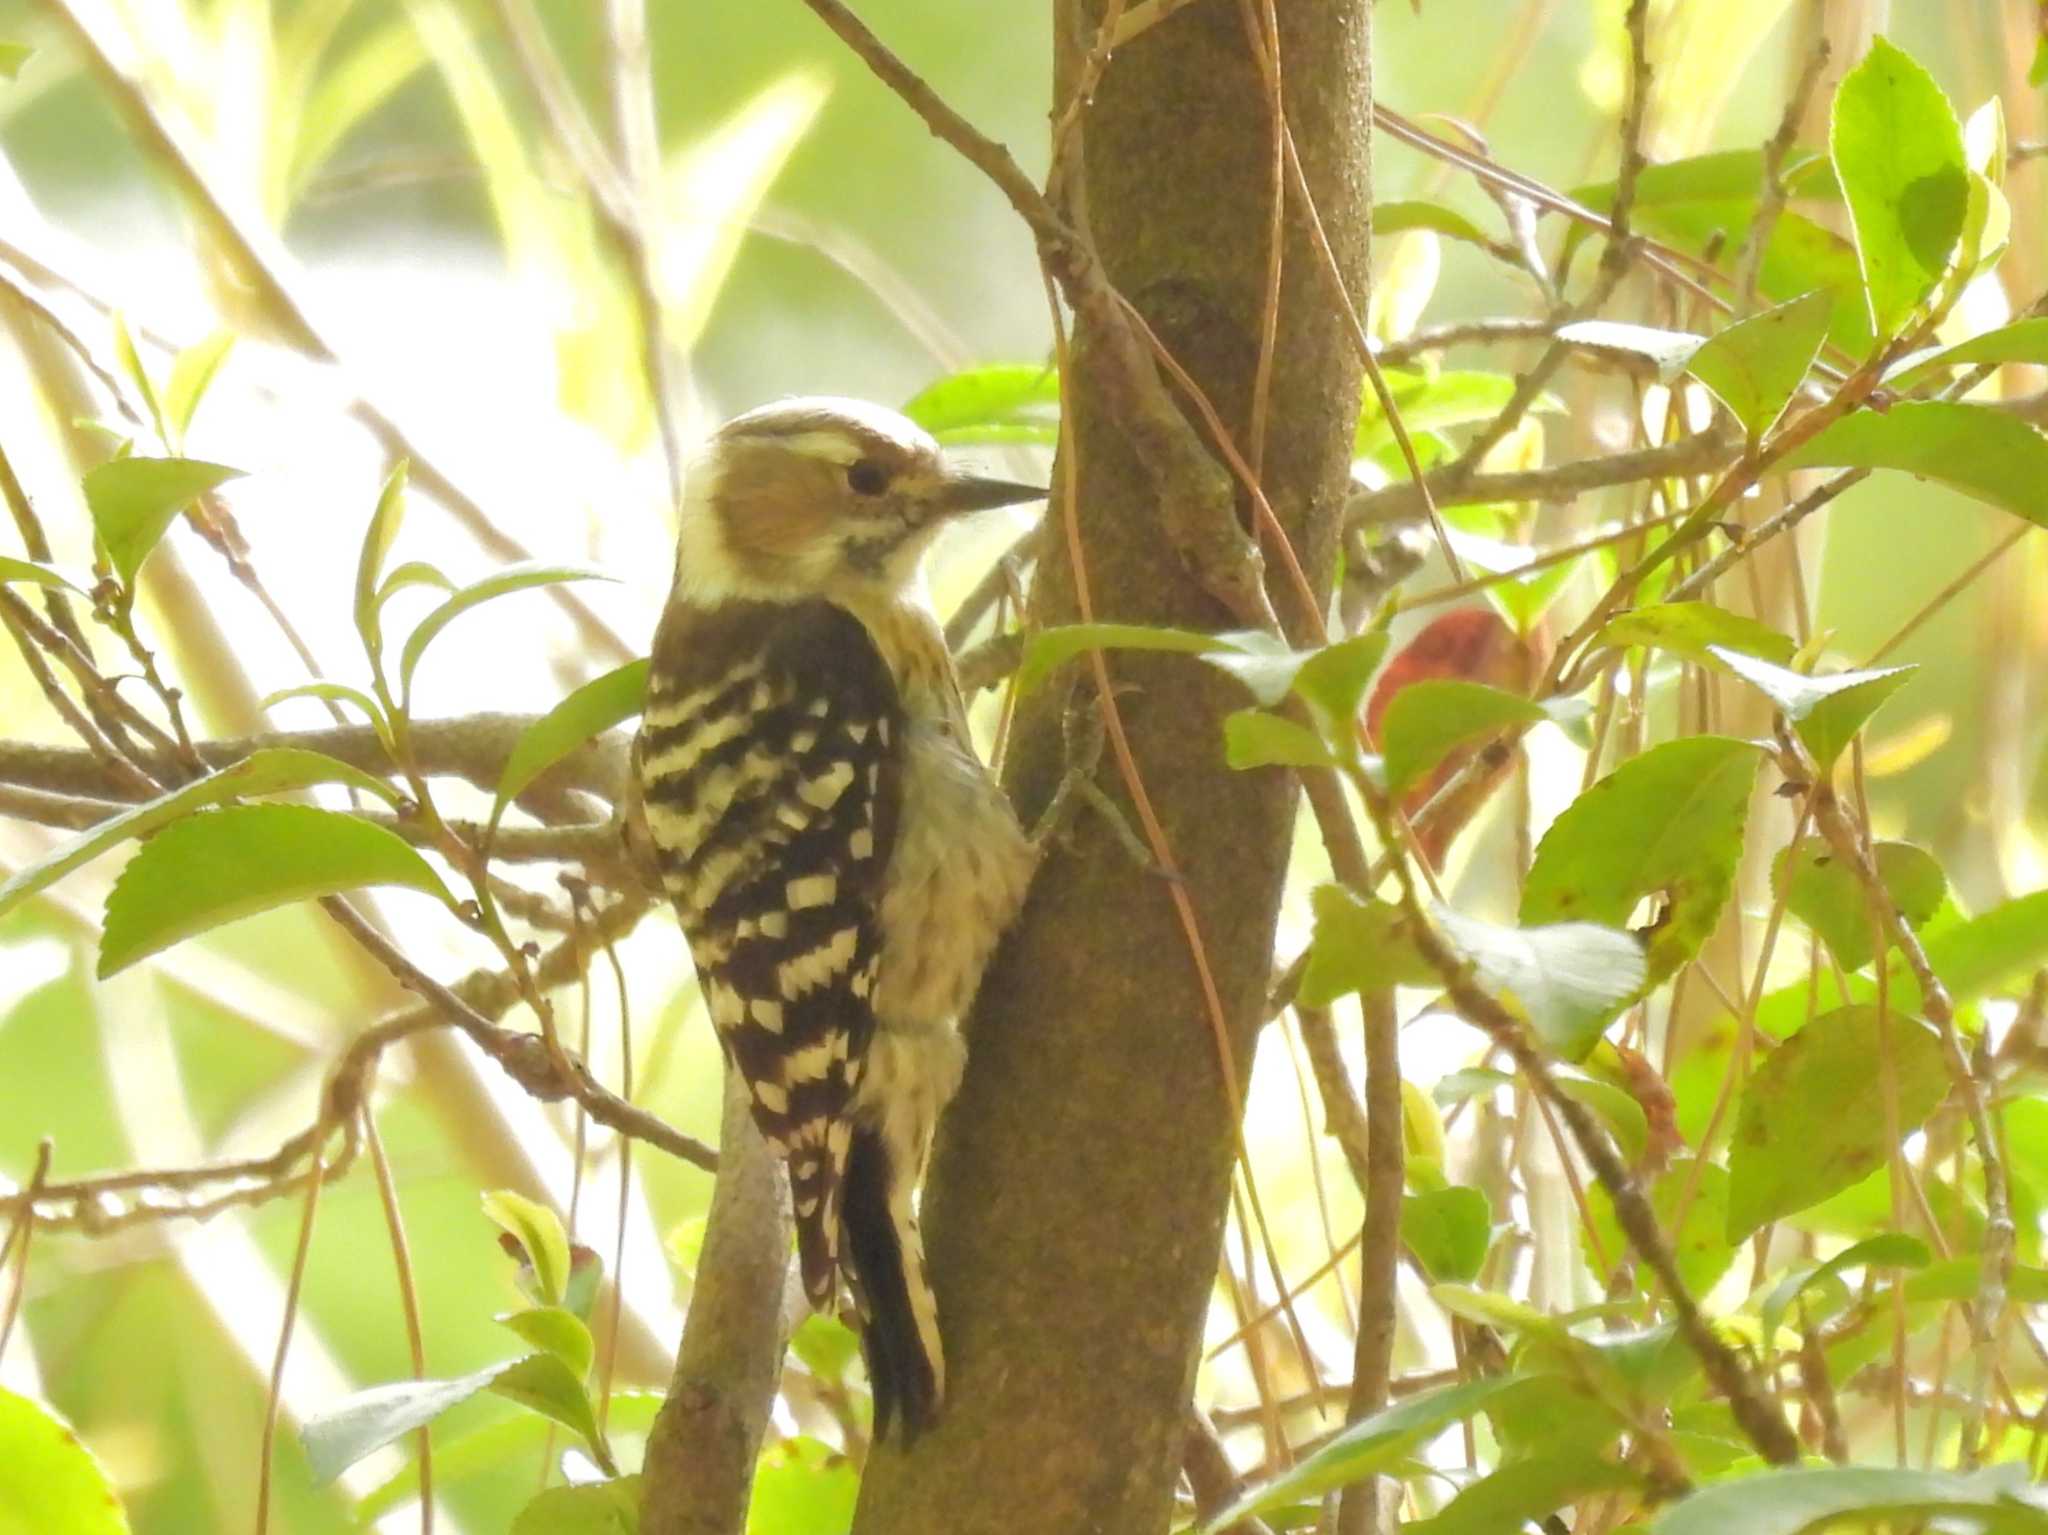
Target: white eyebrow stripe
x,y
832,447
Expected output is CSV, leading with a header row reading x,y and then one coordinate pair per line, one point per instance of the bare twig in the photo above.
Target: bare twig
x,y
1749,265
1380,1248
1211,1477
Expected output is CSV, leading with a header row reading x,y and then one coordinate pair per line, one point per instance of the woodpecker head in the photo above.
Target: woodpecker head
x,y
817,496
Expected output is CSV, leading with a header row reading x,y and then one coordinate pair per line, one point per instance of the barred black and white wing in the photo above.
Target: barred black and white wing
x,y
770,763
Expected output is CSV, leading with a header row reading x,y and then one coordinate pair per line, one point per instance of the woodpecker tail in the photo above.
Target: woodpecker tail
x,y
900,1323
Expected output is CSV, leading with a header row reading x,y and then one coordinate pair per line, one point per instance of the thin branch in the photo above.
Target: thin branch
x,y
1750,265
1379,1253
1214,1481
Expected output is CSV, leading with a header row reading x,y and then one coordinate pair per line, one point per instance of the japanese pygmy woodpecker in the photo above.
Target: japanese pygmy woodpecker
x,y
841,860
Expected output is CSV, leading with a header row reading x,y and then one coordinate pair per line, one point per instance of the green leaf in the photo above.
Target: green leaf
x,y
1358,946
2021,341
12,57
503,582
1252,738
12,569
134,500
1617,1108
1394,218
1666,824
410,574
538,1231
1449,1231
594,1508
543,1384
1368,1447
1333,679
49,1482
192,374
1826,711
1791,1500
378,538
1702,1246
1986,453
271,770
558,1331
1694,629
335,693
1756,365
1827,896
1811,1121
1956,1279
1898,153
826,1345
1523,1492
1050,649
961,405
220,865
1888,1249
1569,978
367,1421
130,363
803,1487
1430,401
1427,720
591,710
1668,352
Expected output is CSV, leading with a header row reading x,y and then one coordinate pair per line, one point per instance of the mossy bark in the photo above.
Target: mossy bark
x,y
1076,1200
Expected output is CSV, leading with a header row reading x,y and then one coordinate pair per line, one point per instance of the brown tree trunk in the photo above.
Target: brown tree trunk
x,y
1076,1201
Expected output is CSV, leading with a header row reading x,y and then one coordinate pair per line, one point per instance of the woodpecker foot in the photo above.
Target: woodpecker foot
x,y
1077,786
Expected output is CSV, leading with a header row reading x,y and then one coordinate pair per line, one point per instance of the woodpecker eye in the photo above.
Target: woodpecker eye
x,y
865,477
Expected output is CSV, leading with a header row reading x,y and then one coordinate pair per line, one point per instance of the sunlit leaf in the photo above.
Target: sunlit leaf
x,y
1617,1108
589,711
1826,711
12,570
1334,678
1981,451
1448,1230
1811,1122
378,538
544,1384
1522,1492
365,74
2021,341
221,865
1367,1447
803,1486
961,406
1792,1500
1359,946
1701,1245
1049,649
557,1331
1829,898
1756,365
1427,719
1570,978
1666,352
1253,738
49,1482
538,1230
367,1421
1898,153
1693,629
134,500
1392,218
1666,825
1429,402
272,770
12,57
1889,1249
503,582
192,374
593,1508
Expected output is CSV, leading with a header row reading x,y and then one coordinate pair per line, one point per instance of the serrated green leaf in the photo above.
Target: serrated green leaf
x,y
1006,395
49,1482
1448,1230
367,1421
503,582
192,374
1825,711
1898,154
542,1383
591,1508
555,1330
1668,352
2021,341
1367,1447
1828,897
1756,365
1427,720
1252,738
272,770
1793,1500
591,710
12,570
1890,1249
1050,649
1810,1122
205,870
1986,453
538,1231
1569,978
1693,629
1667,825
1358,946
133,502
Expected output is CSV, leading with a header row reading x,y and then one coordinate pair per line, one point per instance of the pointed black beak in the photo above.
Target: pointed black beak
x,y
968,493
